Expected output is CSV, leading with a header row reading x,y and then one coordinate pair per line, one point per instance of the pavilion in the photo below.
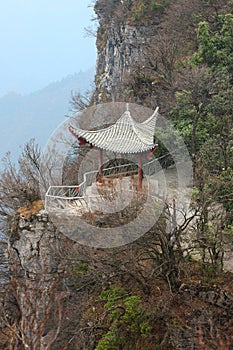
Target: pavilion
x,y
126,136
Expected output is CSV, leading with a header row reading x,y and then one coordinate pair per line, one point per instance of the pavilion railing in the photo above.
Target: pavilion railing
x,y
151,167
54,203
65,197
125,169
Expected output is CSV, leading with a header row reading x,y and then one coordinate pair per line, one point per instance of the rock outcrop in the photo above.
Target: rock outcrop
x,y
123,49
36,265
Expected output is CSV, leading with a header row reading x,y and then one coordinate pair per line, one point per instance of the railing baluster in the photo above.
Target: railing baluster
x,y
62,196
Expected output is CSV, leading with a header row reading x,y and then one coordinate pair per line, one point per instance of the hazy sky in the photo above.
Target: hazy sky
x,y
43,41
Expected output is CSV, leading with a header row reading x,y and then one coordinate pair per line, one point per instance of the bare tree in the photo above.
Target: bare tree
x,y
19,184
80,101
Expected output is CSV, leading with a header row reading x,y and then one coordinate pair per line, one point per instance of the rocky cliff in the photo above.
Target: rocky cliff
x,y
139,45
48,290
34,296
53,300
121,52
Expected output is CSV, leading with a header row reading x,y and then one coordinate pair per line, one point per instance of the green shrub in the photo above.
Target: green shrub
x,y
109,341
159,5
136,15
80,268
127,318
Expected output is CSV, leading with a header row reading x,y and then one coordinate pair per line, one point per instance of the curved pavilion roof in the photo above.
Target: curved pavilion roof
x,y
125,136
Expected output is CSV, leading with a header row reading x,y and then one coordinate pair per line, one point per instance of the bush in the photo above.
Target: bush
x,y
127,318
159,6
19,185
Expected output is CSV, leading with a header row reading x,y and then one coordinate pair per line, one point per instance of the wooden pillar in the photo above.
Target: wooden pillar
x,y
100,165
140,174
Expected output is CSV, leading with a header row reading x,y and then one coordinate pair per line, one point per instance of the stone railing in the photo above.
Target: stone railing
x,y
68,197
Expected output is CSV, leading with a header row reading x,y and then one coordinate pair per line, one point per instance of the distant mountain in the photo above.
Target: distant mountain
x,y
36,115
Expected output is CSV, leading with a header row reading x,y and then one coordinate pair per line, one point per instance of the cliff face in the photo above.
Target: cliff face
x,y
122,44
52,283
49,308
36,268
123,49
139,44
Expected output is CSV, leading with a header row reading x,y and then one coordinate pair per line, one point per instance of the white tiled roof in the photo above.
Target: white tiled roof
x,y
125,136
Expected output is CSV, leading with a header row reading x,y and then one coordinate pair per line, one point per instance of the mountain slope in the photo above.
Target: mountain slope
x,y
38,114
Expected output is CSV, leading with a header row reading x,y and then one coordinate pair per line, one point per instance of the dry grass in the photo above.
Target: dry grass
x,y
30,210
